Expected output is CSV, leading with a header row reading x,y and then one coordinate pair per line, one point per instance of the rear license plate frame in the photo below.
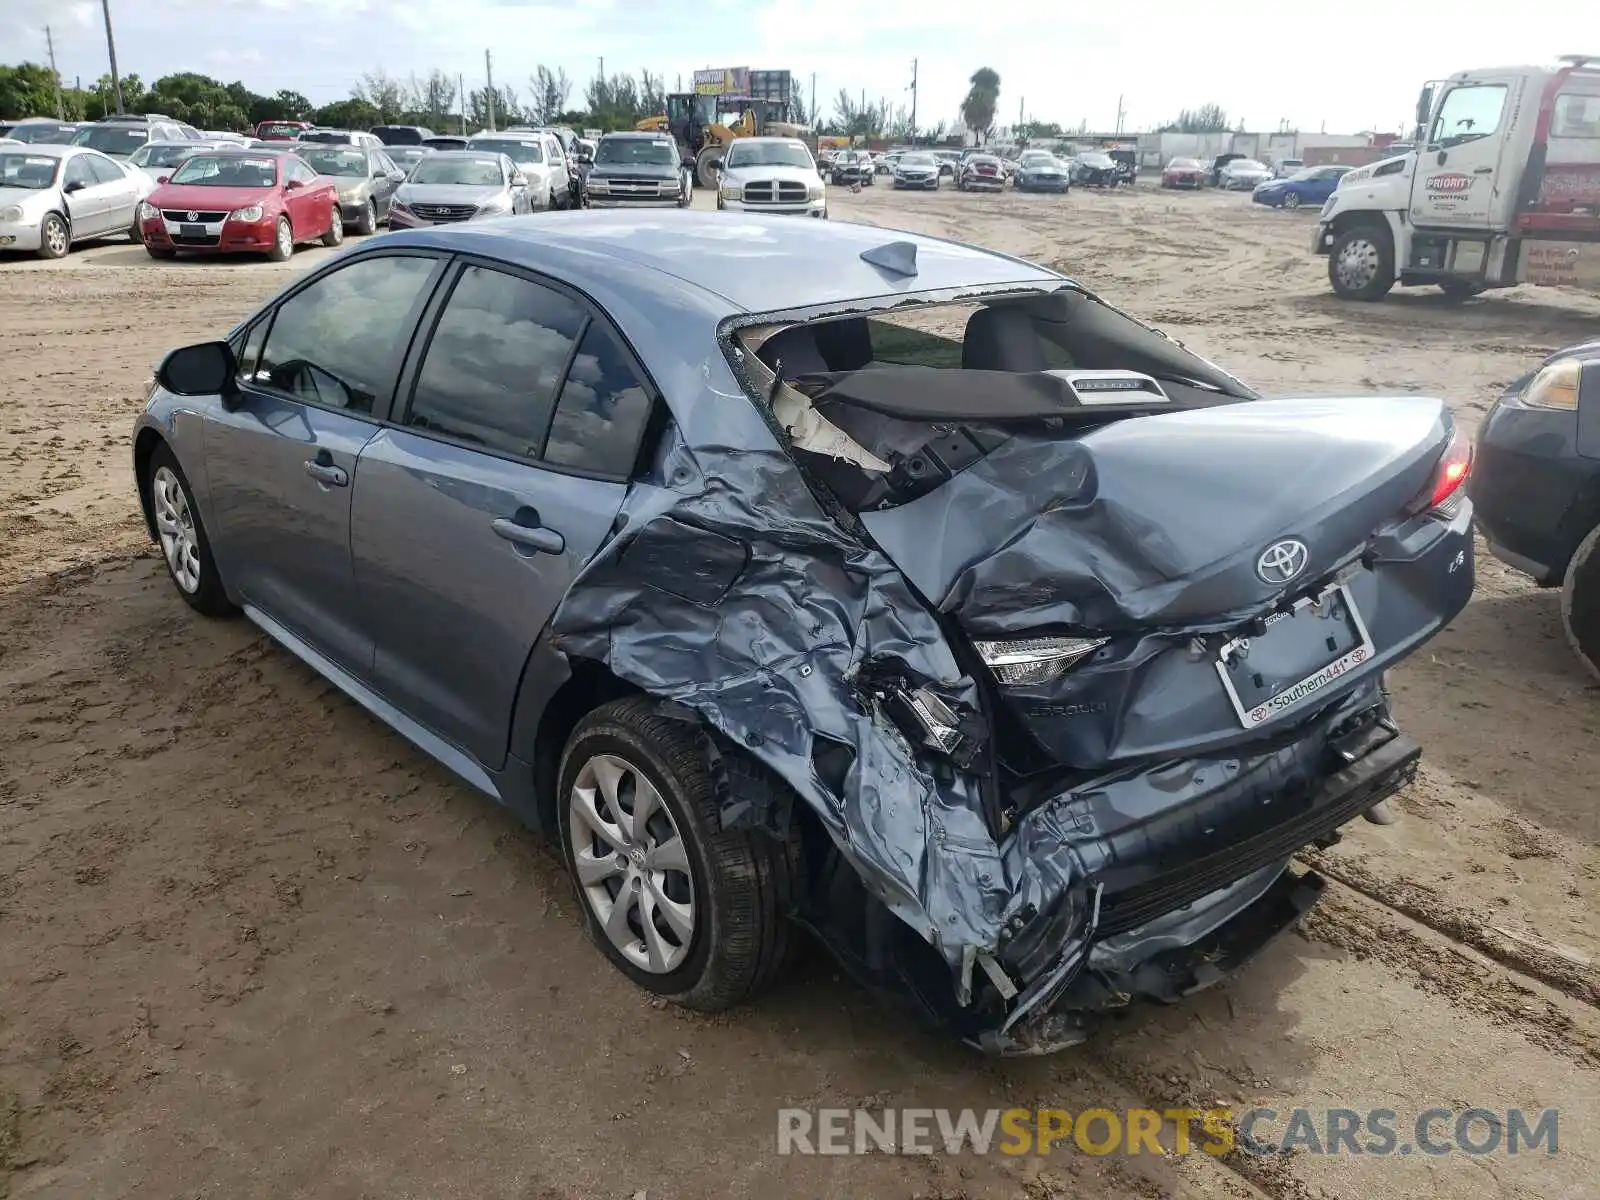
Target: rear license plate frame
x,y
1293,695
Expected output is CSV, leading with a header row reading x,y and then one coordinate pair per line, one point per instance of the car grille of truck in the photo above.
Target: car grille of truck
x,y
641,189
769,191
182,216
1130,907
445,212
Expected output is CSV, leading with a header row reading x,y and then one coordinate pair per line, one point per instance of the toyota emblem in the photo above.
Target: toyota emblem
x,y
194,216
1282,561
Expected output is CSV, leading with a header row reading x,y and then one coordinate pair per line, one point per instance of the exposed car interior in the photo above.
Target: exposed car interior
x,y
882,411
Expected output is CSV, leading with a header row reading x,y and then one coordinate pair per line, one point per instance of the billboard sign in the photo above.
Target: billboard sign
x,y
722,81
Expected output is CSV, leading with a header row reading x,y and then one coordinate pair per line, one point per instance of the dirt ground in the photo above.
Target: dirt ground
x,y
254,945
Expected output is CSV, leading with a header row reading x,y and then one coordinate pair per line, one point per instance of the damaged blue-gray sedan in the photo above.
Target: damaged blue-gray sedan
x,y
809,575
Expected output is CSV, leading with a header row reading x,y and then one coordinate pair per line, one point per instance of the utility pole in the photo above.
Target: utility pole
x,y
1121,112
461,88
814,113
488,97
1020,103
61,113
913,102
602,68
111,50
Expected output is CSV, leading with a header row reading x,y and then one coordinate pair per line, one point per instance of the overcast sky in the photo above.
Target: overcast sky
x,y
1356,65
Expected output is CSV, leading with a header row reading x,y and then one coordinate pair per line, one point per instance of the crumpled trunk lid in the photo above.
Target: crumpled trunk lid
x,y
1159,522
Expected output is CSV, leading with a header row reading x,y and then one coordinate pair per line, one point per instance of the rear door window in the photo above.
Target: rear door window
x,y
603,411
496,359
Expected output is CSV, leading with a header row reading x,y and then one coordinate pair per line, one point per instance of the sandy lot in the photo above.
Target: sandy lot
x,y
252,944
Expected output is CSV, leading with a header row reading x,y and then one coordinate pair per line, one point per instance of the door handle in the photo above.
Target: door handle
x,y
529,537
1484,171
327,473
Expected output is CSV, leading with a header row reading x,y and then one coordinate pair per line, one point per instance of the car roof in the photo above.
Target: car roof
x,y
631,135
755,263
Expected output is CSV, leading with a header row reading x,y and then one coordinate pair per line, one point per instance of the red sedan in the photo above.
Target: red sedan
x,y
240,202
1183,172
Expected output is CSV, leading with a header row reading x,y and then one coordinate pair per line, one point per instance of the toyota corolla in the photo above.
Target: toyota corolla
x,y
1015,663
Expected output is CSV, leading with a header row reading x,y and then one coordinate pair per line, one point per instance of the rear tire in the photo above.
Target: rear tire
x,y
704,176
1580,602
730,888
1361,263
160,252
335,234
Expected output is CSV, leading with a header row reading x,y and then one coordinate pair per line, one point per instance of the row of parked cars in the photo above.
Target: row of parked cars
x,y
174,188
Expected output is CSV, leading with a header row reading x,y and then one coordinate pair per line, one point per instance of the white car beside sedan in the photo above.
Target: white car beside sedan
x,y
770,175
53,196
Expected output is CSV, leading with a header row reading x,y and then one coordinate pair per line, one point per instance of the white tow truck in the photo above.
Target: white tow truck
x,y
1505,190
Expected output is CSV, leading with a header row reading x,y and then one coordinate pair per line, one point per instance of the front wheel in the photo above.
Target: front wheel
x,y
1580,602
54,240
160,252
1361,263
182,536
681,906
367,222
1291,201
282,242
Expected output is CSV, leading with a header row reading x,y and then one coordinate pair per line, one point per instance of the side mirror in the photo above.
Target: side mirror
x,y
397,176
162,178
519,180
76,185
715,164
292,185
205,369
1425,105
586,159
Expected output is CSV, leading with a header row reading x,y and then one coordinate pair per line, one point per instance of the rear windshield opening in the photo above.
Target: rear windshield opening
x,y
885,407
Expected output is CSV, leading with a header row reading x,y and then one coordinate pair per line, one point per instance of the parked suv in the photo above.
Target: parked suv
x,y
637,170
121,136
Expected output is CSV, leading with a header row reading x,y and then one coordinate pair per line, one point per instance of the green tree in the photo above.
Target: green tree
x,y
354,113
550,92
27,90
977,110
384,93
430,101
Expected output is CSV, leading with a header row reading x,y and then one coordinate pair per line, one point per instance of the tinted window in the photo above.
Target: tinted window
x,y
105,171
336,342
496,357
602,411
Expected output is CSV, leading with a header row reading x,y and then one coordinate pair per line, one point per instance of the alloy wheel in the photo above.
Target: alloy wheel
x,y
631,864
285,239
55,237
1358,264
175,527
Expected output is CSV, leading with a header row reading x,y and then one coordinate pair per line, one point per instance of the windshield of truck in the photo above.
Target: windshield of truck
x,y
636,152
465,172
336,161
1468,113
768,154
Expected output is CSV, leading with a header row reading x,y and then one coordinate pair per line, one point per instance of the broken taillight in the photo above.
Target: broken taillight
x,y
1443,495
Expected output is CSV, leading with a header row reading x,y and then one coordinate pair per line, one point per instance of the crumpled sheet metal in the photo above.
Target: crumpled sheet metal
x,y
766,634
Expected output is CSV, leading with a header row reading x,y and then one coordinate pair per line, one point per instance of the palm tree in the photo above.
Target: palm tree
x,y
977,110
